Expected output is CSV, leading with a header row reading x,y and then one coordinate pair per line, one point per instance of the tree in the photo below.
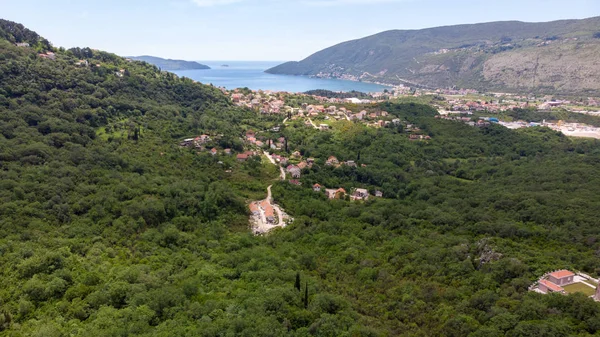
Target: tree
x,y
297,284
305,299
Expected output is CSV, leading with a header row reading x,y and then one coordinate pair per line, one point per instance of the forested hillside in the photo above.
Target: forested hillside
x,y
109,228
557,57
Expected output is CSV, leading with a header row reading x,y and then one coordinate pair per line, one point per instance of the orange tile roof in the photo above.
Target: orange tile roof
x,y
562,273
551,285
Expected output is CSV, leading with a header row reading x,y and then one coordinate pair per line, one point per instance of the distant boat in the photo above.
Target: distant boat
x,y
225,65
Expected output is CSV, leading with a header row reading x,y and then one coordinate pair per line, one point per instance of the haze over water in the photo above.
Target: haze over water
x,y
240,74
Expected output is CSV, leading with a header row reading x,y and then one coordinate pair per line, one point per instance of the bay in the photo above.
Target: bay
x,y
250,74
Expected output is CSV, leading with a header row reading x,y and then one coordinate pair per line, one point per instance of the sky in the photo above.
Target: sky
x,y
267,30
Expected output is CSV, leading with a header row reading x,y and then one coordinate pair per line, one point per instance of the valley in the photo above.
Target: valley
x,y
127,195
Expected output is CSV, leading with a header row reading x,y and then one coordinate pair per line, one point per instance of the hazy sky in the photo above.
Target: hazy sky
x,y
258,29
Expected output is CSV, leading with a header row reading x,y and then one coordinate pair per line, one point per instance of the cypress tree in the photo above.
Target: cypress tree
x,y
297,284
305,300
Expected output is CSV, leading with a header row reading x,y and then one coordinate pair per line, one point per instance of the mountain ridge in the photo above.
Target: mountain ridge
x,y
169,64
470,56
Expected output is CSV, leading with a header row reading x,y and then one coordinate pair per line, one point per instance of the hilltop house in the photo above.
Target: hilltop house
x,y
332,161
336,194
548,287
561,277
317,188
360,194
350,163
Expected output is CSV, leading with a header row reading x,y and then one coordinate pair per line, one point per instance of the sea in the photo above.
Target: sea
x,y
250,74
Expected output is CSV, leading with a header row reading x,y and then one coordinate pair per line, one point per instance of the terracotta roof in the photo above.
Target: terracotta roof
x,y
562,273
551,285
268,208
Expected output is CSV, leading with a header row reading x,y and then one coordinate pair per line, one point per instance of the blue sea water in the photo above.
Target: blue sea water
x,y
240,74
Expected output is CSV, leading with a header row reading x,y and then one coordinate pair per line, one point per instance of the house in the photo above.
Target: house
x,y
317,188
242,157
561,277
227,152
48,55
254,209
302,165
335,194
82,63
548,287
379,194
294,171
295,182
297,154
213,151
22,44
350,163
331,161
269,212
360,194
250,134
324,127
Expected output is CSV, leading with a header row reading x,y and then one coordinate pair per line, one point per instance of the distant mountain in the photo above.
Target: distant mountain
x,y
168,64
552,57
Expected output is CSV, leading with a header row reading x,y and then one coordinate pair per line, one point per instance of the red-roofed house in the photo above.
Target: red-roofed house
x,y
561,277
548,287
254,209
317,188
269,213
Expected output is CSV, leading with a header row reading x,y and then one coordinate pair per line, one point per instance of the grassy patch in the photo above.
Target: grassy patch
x,y
579,288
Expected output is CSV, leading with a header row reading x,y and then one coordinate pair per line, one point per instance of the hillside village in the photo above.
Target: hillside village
x,y
327,114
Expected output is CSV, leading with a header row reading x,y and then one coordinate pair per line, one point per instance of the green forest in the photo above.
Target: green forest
x,y
109,228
